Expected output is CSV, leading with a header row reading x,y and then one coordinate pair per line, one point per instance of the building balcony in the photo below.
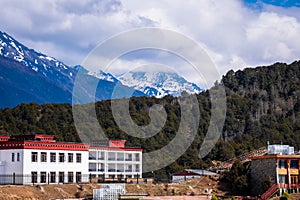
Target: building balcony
x,y
128,170
101,158
100,170
92,158
111,170
92,170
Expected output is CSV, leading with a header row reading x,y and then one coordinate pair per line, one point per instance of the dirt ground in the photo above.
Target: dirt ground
x,y
204,186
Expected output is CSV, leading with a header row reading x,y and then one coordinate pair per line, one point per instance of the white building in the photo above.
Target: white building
x,y
31,159
40,159
112,159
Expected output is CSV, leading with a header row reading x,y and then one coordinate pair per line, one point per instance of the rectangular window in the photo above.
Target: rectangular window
x,y
61,157
34,156
70,177
78,177
294,164
13,157
43,157
34,177
61,177
52,177
43,177
78,157
18,157
70,157
282,164
52,157
282,178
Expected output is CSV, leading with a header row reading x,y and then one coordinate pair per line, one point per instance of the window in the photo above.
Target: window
x,y
18,157
294,164
281,164
52,157
78,157
52,177
137,157
43,177
70,177
61,157
43,157
34,177
78,177
61,177
282,178
137,168
13,157
34,156
70,157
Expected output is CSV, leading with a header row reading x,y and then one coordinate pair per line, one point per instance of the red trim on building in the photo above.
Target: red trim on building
x,y
47,142
43,145
117,143
4,138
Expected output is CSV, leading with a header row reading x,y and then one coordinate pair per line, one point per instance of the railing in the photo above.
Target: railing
x,y
275,187
270,191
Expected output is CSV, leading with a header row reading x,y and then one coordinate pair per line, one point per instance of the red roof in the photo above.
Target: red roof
x,y
45,142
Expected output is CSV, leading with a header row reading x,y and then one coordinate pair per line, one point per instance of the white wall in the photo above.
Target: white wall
x,y
8,166
57,166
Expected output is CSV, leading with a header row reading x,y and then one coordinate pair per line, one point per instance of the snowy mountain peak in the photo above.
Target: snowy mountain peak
x,y
104,76
158,83
38,62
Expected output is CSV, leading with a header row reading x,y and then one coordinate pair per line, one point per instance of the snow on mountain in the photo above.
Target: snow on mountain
x,y
158,84
38,62
104,76
29,76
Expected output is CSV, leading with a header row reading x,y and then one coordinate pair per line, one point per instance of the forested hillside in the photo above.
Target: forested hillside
x,y
262,105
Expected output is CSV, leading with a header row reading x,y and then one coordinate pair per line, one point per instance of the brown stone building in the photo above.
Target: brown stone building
x,y
277,171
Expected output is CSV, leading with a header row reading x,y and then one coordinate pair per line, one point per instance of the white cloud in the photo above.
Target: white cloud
x,y
233,35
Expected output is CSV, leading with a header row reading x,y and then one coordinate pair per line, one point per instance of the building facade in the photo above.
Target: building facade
x,y
278,168
112,159
40,159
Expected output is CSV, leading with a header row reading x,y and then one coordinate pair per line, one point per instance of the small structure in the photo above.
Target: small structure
x,y
109,192
189,174
276,171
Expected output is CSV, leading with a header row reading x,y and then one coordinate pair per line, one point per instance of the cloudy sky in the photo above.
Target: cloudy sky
x,y
234,33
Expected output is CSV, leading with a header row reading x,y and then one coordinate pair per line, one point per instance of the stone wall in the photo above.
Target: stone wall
x,y
262,170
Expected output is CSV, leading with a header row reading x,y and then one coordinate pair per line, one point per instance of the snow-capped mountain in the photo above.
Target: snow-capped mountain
x,y
158,84
29,76
104,76
38,62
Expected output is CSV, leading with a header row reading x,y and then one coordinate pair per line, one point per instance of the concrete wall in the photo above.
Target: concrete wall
x,y
261,170
57,166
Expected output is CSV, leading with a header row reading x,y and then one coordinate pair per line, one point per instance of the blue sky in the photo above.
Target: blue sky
x,y
284,3
234,33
